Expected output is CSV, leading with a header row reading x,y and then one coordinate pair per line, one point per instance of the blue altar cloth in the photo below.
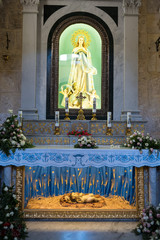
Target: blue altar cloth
x,y
68,156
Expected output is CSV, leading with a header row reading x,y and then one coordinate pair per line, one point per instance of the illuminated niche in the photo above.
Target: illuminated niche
x,y
79,67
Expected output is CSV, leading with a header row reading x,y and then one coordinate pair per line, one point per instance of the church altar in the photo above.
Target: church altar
x,y
54,168
61,156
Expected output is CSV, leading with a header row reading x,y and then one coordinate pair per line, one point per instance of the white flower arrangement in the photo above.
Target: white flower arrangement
x,y
6,189
12,137
12,225
86,142
138,141
149,224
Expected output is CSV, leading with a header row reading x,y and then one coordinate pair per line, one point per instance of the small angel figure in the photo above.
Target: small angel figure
x,y
65,92
92,95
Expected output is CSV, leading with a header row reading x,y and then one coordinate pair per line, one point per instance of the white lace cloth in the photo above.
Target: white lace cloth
x,y
60,156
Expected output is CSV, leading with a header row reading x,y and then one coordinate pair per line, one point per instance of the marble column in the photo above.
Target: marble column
x,y
153,186
130,103
7,175
29,59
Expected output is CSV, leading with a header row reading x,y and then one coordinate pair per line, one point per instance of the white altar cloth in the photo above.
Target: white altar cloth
x,y
60,156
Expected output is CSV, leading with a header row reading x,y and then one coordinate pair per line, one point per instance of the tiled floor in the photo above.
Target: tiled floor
x,y
81,231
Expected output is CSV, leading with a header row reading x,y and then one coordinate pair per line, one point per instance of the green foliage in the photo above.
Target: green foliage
x,y
12,225
11,136
149,224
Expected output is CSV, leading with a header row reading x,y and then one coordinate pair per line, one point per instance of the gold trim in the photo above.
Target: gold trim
x,y
140,189
128,131
78,33
20,185
83,214
109,131
57,131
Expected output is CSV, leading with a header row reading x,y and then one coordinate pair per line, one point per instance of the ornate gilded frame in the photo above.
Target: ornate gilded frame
x,y
82,214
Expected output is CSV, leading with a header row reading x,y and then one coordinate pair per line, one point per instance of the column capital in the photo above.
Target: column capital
x,y
30,6
131,7
29,2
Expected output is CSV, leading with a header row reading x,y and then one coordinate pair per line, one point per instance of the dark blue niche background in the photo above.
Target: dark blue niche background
x,y
54,181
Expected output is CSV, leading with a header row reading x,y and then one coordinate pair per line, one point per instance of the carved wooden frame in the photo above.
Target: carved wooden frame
x,y
52,73
83,214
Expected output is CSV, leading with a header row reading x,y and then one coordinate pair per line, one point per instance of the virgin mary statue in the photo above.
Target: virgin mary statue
x,y
81,76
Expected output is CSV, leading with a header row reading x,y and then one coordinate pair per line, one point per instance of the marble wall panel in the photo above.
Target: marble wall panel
x,y
152,23
149,62
153,6
10,72
9,101
11,81
3,20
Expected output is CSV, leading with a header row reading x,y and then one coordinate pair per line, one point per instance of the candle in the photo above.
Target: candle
x,y
128,119
56,118
20,118
94,105
109,119
66,105
19,113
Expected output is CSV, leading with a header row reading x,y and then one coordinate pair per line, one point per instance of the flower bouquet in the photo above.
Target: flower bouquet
x,y
79,133
11,136
149,224
138,141
12,225
86,142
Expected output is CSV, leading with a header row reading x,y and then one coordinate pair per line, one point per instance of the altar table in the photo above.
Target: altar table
x,y
69,156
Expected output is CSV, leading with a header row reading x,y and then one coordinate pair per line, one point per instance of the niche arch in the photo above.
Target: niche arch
x,y
53,65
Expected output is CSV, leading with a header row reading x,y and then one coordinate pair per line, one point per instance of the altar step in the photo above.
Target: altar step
x,y
81,230
41,132
69,140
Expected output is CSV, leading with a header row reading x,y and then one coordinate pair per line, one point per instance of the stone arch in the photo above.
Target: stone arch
x,y
53,57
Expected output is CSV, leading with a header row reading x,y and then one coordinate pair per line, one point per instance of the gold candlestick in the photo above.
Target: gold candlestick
x,y
57,130
93,116
80,112
67,116
109,131
128,131
80,115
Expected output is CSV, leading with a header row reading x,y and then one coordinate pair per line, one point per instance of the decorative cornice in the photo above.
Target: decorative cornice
x,y
131,7
29,2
